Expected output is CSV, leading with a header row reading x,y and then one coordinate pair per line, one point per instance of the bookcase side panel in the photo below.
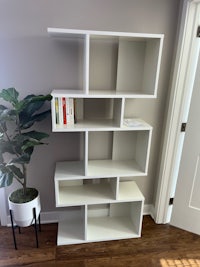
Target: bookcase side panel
x,y
142,149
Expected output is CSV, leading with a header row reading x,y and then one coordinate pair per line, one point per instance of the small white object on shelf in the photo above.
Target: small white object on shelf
x,y
133,122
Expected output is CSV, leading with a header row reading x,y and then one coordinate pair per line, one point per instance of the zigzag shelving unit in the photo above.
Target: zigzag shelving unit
x,y
111,67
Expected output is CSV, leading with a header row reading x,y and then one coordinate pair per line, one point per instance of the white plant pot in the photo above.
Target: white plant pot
x,y
23,213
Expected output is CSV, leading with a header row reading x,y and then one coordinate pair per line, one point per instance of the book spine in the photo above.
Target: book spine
x,y
57,110
70,110
71,103
64,110
60,111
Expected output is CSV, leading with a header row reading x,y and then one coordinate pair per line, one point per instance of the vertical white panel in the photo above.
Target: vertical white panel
x,y
118,111
86,63
113,184
85,216
86,153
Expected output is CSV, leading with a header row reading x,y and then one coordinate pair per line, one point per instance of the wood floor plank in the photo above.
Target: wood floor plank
x,y
159,246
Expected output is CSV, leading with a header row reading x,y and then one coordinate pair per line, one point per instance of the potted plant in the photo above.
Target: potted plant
x,y
17,142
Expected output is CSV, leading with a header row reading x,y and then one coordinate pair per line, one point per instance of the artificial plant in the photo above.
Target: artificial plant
x,y
17,137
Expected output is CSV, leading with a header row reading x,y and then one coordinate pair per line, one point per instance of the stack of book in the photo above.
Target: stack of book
x,y
64,111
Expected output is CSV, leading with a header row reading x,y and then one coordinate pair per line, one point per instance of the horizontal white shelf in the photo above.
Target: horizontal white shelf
x,y
95,193
101,125
99,94
88,125
110,168
85,194
110,228
96,169
98,229
69,170
62,32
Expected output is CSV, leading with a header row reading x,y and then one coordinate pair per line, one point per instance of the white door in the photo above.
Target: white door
x,y
186,208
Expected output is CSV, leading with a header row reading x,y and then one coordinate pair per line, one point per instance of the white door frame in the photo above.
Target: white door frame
x,y
181,91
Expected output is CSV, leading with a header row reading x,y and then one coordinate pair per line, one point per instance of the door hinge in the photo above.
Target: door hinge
x,y
171,201
183,126
198,31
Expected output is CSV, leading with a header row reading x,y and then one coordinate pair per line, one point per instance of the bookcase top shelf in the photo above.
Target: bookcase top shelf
x,y
62,32
111,64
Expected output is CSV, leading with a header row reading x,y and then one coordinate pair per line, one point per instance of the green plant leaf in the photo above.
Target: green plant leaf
x,y
2,107
6,146
24,159
32,103
41,98
3,127
27,122
7,115
35,135
31,143
10,95
6,177
17,172
25,142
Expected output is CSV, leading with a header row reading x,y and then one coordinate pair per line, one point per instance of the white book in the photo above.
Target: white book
x,y
70,111
60,111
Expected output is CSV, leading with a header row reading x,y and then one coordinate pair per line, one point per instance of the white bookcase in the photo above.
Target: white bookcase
x,y
110,67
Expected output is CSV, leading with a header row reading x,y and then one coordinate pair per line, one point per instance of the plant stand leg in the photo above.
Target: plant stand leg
x,y
36,233
39,220
19,229
13,229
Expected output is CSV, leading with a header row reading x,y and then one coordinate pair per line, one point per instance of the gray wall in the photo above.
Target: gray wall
x,y
30,61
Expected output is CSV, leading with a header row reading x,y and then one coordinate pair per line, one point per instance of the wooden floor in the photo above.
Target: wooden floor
x,y
160,245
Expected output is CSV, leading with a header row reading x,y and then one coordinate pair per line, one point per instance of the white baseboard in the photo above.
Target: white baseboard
x,y
56,216
149,209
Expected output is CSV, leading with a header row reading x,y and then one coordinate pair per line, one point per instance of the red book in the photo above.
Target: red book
x,y
64,110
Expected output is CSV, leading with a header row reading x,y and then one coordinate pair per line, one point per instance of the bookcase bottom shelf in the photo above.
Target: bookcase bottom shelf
x,y
110,228
98,229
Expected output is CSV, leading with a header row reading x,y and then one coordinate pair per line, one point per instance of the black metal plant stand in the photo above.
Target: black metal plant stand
x,y
35,227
